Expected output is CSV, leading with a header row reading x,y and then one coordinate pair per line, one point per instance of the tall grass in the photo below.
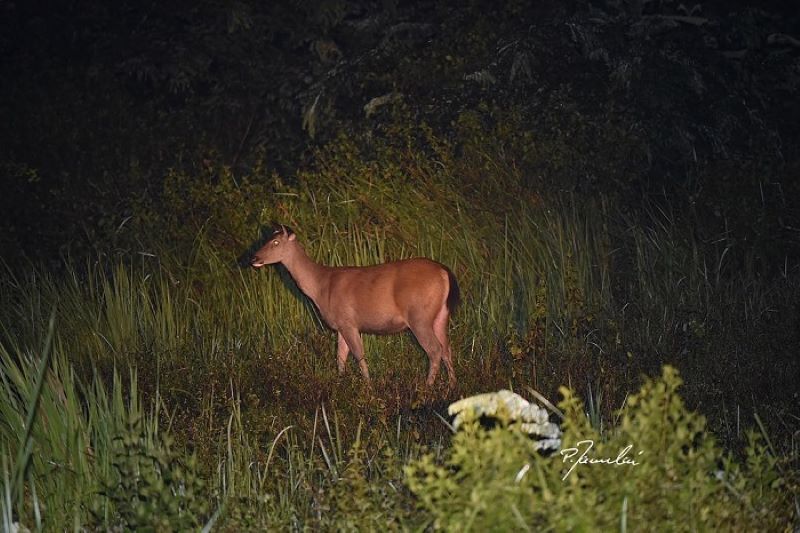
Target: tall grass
x,y
237,364
166,317
65,433
567,276
552,260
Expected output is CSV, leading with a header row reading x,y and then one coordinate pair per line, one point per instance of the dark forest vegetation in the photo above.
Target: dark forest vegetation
x,y
613,184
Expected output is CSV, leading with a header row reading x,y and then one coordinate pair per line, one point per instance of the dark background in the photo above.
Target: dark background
x,y
100,99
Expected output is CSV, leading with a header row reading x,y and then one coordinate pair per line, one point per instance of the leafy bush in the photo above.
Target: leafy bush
x,y
678,478
368,495
153,487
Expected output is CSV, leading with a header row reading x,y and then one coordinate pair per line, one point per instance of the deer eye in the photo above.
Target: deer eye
x,y
275,243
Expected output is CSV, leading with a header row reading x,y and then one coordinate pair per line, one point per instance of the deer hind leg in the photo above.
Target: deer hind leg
x,y
342,351
426,337
440,330
352,339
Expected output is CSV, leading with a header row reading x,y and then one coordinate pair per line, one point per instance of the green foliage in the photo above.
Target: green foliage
x,y
681,479
508,154
114,460
91,456
537,269
556,287
368,493
475,488
153,488
553,284
215,203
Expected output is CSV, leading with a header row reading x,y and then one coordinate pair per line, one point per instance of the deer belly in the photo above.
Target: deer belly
x,y
368,317
382,325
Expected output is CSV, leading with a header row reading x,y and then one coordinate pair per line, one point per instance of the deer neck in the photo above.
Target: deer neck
x,y
310,277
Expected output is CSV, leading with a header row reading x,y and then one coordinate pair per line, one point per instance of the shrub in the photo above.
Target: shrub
x,y
681,479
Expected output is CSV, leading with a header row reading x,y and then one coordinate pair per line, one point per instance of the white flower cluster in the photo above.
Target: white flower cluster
x,y
533,420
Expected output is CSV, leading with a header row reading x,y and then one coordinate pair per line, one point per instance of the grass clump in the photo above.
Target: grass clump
x,y
89,455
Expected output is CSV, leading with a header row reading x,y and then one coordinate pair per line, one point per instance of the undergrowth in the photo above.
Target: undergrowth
x,y
234,414
663,471
118,468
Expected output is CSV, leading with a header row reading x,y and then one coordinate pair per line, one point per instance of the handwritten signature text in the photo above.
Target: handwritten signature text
x,y
580,455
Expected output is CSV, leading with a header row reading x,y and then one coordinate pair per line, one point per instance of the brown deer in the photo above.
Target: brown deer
x,y
416,294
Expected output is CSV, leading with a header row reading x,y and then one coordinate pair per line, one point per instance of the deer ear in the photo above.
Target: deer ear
x,y
292,236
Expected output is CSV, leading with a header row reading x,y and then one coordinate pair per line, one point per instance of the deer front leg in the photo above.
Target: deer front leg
x,y
353,339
